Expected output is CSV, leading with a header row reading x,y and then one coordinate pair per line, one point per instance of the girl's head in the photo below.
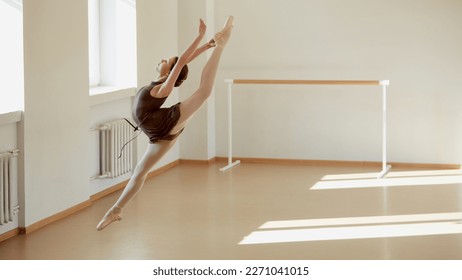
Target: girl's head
x,y
165,67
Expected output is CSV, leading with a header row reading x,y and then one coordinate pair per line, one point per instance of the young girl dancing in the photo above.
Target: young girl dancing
x,y
164,125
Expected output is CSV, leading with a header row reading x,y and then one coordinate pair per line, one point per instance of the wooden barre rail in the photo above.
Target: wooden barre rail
x,y
382,83
307,82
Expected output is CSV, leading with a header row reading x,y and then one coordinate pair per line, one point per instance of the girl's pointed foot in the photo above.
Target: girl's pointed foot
x,y
222,37
229,23
114,214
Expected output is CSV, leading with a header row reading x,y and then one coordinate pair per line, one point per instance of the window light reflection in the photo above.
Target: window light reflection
x,y
356,228
404,178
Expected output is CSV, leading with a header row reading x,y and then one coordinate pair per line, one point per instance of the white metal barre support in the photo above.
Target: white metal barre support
x,y
385,168
384,83
230,129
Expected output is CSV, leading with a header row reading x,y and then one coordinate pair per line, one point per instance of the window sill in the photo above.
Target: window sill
x,y
11,117
101,95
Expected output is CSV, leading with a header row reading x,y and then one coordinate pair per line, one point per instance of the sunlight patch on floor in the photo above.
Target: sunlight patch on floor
x,y
356,228
363,220
392,174
393,179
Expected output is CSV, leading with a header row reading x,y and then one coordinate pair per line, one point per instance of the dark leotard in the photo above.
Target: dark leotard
x,y
156,122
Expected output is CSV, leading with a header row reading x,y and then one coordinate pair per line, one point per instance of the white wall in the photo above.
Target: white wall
x,y
414,44
199,138
55,128
9,131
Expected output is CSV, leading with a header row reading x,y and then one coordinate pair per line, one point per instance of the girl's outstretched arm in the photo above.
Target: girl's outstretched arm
x,y
168,85
200,50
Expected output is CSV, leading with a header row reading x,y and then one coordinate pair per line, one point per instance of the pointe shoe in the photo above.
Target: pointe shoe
x,y
221,38
229,22
109,218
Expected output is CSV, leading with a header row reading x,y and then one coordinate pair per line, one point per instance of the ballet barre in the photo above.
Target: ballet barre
x,y
382,83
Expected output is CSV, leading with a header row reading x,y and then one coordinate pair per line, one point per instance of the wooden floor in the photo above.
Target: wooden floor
x,y
266,211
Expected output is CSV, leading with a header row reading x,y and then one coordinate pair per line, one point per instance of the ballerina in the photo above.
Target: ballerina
x,y
164,125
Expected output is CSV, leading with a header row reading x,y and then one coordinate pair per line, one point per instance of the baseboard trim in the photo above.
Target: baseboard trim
x,y
437,166
108,191
341,163
80,206
56,217
122,185
163,169
198,161
9,234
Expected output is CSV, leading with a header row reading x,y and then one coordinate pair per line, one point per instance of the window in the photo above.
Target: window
x,y
11,56
93,42
112,43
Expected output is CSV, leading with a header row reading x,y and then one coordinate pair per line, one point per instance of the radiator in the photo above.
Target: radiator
x,y
116,148
7,186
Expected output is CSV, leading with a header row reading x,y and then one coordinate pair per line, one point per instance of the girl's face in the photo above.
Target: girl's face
x,y
164,66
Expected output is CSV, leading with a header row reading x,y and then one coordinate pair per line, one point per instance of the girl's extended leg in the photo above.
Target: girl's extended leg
x,y
153,154
189,106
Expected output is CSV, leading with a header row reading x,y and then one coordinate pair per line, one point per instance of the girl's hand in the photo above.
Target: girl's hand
x,y
211,43
202,28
